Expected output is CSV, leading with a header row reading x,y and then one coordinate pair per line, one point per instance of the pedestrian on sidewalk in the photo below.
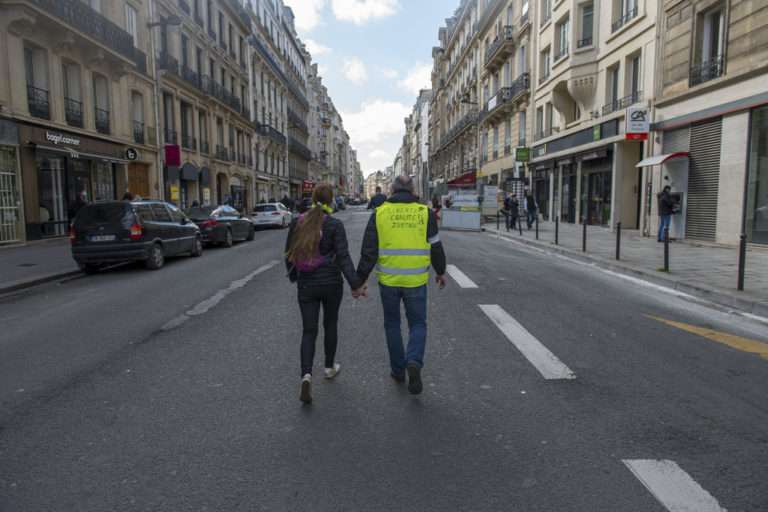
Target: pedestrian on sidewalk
x,y
512,209
377,200
531,208
317,254
436,207
401,241
666,209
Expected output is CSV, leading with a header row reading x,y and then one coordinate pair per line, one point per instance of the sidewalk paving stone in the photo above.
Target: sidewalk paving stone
x,y
34,263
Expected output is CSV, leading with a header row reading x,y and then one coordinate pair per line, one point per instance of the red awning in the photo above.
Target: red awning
x,y
468,179
660,159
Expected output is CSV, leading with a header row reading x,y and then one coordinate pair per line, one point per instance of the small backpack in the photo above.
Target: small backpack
x,y
317,260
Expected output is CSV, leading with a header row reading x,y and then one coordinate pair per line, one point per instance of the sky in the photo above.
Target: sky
x,y
374,56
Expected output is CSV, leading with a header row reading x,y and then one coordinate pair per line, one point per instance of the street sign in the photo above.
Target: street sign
x,y
523,154
638,123
131,154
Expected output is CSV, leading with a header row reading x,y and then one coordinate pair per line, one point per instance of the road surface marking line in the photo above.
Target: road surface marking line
x,y
546,362
673,487
731,340
211,302
460,277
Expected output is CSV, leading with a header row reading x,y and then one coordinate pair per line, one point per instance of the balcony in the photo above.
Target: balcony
x,y
469,119
138,132
624,19
184,6
205,147
241,159
326,121
170,136
73,112
267,131
102,120
168,62
706,71
583,43
622,103
222,153
38,103
188,142
191,77
245,112
297,148
501,48
503,102
297,121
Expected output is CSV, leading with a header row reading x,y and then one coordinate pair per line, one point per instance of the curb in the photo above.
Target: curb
x,y
15,286
720,298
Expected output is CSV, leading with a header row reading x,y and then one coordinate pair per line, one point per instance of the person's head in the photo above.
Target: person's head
x,y
378,190
308,230
402,184
128,196
667,189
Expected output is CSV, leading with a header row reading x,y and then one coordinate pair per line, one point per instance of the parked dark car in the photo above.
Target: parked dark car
x,y
119,231
222,225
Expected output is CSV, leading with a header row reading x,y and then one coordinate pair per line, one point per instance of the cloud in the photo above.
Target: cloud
x,y
376,131
354,70
390,73
307,12
419,77
316,48
361,11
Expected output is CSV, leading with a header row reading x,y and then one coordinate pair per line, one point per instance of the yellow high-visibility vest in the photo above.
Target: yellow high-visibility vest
x,y
403,247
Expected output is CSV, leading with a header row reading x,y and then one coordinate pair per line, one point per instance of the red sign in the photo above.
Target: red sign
x,y
465,180
172,155
636,136
307,186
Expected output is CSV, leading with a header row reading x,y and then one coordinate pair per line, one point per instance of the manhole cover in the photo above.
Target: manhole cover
x,y
28,265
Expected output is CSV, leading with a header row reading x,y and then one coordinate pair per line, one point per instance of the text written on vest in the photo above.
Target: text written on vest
x,y
406,220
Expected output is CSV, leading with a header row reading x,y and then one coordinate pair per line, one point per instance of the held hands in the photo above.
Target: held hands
x,y
360,292
440,280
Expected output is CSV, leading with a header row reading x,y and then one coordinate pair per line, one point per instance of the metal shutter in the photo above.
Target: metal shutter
x,y
677,140
703,180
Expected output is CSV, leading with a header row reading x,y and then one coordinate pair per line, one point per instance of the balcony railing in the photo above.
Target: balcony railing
x,y
272,133
469,119
583,43
191,76
222,153
170,136
297,121
507,94
38,103
73,112
82,17
507,35
300,149
623,20
168,62
707,70
205,147
188,142
138,132
245,112
184,6
622,103
102,120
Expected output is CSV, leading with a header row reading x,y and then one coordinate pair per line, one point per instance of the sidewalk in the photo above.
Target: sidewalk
x,y
34,263
703,270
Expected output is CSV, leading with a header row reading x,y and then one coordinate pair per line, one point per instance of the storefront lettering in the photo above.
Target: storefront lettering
x,y
60,138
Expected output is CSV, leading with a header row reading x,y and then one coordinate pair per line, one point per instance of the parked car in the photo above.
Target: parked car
x,y
222,225
109,232
271,215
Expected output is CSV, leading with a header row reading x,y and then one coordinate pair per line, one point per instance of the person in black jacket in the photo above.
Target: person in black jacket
x,y
377,200
317,255
666,209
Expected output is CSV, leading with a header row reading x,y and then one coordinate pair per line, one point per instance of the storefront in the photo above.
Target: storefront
x,y
188,185
204,186
540,187
11,207
238,193
62,172
756,216
596,186
568,201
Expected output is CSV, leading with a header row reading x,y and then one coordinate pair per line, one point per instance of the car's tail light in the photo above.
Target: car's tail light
x,y
136,232
276,213
208,224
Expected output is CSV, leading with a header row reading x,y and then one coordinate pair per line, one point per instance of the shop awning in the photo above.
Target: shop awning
x,y
660,159
188,172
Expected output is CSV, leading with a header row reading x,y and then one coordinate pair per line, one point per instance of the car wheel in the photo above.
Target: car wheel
x,y
251,234
156,258
228,241
90,268
197,247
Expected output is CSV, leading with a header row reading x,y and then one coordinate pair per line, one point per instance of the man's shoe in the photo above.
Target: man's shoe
x,y
414,380
332,372
400,379
306,389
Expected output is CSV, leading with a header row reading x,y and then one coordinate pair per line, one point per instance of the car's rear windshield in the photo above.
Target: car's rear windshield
x,y
105,213
199,213
265,208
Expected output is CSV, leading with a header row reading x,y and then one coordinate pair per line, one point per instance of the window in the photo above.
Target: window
x,y
202,123
587,25
168,119
161,213
561,34
624,11
508,136
220,131
184,51
231,40
130,23
176,215
73,104
709,46
484,148
613,84
95,5
210,16
36,70
521,128
545,64
137,113
101,103
212,69
634,78
199,60
546,11
221,28
522,61
495,142
187,128
549,111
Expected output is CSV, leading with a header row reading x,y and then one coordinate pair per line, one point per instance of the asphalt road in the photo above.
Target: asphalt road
x,y
178,390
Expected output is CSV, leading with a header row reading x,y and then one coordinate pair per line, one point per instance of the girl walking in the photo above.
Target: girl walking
x,y
317,255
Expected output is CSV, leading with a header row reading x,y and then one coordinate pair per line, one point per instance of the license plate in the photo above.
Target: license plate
x,y
102,238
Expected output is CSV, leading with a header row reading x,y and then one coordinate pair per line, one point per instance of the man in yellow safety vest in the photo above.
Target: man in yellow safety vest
x,y
401,242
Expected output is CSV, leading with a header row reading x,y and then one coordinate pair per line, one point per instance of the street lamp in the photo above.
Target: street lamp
x,y
163,23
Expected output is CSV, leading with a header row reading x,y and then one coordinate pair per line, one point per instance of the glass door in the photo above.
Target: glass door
x,y
78,186
52,195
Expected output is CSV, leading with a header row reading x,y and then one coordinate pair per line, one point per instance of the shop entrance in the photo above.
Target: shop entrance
x,y
10,217
568,211
53,199
596,197
138,180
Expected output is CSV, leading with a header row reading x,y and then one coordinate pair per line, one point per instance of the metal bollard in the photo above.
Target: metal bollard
x,y
584,235
618,241
557,229
537,226
666,249
742,261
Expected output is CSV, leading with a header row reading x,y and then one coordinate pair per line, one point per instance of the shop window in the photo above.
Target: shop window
x,y
103,181
757,186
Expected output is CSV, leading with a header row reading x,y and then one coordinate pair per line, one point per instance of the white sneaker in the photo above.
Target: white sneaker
x,y
306,389
332,372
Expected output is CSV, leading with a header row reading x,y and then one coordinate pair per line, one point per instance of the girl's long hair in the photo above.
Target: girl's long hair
x,y
307,233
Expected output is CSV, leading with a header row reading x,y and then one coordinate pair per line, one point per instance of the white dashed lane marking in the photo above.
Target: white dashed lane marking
x,y
550,367
673,487
460,277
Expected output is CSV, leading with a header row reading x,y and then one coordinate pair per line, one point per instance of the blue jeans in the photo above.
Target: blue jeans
x,y
664,224
415,300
